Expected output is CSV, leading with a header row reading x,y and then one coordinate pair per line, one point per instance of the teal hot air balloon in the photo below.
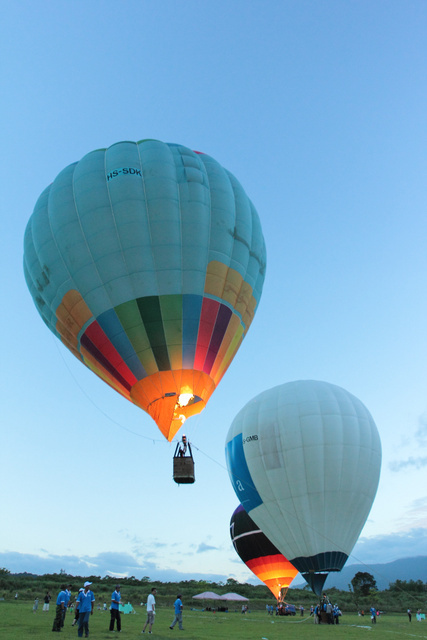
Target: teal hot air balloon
x,y
304,459
147,260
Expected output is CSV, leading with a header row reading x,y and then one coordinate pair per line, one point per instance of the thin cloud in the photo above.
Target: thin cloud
x,y
139,542
417,463
373,550
421,434
205,547
415,516
390,547
420,503
105,564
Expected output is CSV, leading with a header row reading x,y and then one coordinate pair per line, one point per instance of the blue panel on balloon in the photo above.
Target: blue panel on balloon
x,y
241,479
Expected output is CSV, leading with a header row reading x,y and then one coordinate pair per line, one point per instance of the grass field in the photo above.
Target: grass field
x,y
18,622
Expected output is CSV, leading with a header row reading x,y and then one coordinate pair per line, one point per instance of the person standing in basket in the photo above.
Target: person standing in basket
x,y
115,610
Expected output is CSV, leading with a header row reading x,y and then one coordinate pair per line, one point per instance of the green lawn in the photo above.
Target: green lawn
x,y
18,622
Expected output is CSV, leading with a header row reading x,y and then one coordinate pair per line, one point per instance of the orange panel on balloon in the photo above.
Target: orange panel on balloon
x,y
275,568
159,395
72,314
260,555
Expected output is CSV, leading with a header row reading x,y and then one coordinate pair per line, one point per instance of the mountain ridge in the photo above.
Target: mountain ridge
x,y
413,568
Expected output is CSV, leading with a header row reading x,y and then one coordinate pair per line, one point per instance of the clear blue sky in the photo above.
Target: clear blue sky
x,y
319,109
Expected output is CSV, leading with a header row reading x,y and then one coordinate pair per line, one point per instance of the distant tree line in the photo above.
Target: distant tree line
x,y
414,586
362,593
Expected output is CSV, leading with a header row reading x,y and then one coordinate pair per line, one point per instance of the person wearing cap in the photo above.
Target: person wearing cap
x,y
151,610
178,613
115,610
85,601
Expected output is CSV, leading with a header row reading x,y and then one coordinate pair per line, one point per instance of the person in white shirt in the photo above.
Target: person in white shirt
x,y
151,610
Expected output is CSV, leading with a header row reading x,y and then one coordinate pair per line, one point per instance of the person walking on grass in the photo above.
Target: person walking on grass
x,y
178,613
86,601
151,610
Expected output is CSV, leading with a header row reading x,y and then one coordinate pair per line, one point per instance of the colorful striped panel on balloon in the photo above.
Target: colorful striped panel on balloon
x,y
146,336
151,334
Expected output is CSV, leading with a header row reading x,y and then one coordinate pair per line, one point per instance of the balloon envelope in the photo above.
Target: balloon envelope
x,y
304,459
260,555
147,260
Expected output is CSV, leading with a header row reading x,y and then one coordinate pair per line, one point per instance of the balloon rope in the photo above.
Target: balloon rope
x,y
121,426
154,440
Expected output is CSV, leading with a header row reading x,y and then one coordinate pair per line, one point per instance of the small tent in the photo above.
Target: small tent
x,y
234,597
207,595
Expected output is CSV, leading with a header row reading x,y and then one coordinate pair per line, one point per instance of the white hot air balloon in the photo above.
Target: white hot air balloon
x,y
304,459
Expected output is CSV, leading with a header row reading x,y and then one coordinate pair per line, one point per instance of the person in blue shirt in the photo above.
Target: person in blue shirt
x,y
337,614
60,606
178,613
114,609
85,601
67,600
373,615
